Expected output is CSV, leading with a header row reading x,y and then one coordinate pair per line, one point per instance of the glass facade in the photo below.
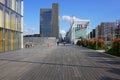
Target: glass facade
x,y
2,1
81,33
79,30
46,22
49,21
10,25
1,16
1,40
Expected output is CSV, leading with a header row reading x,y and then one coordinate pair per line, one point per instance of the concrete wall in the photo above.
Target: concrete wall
x,y
40,40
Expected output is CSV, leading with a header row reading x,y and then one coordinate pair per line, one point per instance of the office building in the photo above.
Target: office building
x,y
11,25
49,21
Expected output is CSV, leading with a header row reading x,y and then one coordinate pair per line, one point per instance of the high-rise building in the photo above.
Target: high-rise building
x,y
46,22
11,25
55,20
49,21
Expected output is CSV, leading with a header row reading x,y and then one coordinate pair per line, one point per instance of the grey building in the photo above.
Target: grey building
x,y
49,21
107,30
117,29
93,34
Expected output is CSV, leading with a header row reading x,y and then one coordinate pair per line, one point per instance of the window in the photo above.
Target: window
x,y
13,4
16,22
15,40
7,19
2,1
16,7
6,40
7,3
12,21
1,40
1,17
19,40
19,23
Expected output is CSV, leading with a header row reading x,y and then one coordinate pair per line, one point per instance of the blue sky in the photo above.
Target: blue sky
x,y
96,11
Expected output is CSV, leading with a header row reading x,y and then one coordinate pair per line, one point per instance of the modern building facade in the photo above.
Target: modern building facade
x,y
11,25
78,30
49,21
46,22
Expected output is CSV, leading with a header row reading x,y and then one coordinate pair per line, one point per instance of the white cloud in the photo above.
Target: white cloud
x,y
63,33
28,30
68,18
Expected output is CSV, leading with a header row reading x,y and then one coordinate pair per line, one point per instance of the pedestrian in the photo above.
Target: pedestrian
x,y
57,42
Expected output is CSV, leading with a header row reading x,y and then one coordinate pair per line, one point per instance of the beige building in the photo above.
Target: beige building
x,y
11,25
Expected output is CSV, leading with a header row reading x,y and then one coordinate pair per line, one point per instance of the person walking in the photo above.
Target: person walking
x,y
57,42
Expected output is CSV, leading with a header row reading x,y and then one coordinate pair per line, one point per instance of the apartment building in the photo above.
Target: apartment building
x,y
107,30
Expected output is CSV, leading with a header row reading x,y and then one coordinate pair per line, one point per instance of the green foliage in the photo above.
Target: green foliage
x,y
92,44
79,42
115,50
101,44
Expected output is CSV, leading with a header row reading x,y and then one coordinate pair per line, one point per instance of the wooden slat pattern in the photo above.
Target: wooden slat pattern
x,y
58,63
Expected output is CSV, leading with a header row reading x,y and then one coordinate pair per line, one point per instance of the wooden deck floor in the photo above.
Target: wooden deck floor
x,y
58,63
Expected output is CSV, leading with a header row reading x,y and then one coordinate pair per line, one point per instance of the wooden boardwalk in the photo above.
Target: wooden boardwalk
x,y
58,63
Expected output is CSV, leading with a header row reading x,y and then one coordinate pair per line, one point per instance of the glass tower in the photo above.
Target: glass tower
x,y
46,22
49,21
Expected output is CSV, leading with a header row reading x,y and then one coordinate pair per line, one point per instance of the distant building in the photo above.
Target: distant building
x,y
11,25
117,29
46,22
78,30
93,34
49,21
90,35
98,33
107,30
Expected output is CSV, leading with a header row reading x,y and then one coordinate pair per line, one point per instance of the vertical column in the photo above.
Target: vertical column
x,y
22,32
22,8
